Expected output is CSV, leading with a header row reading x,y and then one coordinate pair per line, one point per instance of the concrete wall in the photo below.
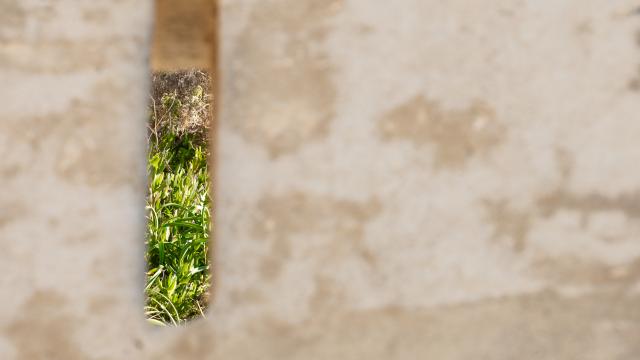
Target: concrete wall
x,y
395,180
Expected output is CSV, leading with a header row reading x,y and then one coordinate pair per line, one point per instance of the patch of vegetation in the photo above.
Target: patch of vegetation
x,y
178,202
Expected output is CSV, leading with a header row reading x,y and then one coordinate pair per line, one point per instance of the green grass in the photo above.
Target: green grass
x,y
178,212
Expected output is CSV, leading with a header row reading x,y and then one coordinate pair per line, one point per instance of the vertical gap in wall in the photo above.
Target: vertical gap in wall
x,y
179,200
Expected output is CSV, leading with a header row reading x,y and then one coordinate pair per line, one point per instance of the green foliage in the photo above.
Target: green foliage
x,y
173,105
178,226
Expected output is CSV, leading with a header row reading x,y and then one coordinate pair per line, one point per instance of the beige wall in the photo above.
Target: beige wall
x,y
395,180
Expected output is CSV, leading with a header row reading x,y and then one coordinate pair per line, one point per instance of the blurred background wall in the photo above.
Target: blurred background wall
x,y
395,180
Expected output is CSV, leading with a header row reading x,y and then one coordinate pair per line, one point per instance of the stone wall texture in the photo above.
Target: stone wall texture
x,y
409,179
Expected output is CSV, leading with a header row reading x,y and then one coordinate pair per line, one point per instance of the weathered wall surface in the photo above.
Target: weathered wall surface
x,y
73,84
395,180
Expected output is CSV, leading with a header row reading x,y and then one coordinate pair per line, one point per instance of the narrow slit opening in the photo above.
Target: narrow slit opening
x,y
179,204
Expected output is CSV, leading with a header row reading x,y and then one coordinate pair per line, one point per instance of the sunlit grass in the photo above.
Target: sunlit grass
x,y
178,211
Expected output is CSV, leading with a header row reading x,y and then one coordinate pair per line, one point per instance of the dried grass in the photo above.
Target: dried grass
x,y
180,103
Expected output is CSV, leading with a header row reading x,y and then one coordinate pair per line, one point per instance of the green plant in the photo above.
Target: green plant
x,y
179,216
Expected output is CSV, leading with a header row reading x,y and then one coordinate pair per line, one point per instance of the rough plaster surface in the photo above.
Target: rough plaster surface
x,y
395,180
